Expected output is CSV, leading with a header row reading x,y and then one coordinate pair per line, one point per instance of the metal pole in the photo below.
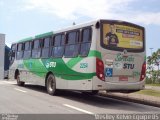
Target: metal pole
x,y
151,64
151,50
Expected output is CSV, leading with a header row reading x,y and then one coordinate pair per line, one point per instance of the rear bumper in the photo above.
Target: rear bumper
x,y
110,86
117,86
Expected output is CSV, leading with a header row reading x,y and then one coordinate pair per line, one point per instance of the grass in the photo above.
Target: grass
x,y
153,85
150,92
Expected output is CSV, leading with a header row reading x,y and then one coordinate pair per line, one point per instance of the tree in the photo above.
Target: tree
x,y
150,68
157,62
152,61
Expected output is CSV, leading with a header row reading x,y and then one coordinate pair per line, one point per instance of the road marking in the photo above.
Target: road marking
x,y
9,82
79,109
3,82
20,90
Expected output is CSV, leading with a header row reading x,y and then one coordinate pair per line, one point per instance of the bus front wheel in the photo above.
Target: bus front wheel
x,y
51,85
20,83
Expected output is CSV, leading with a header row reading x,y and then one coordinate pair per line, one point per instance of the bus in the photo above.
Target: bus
x,y
99,55
6,62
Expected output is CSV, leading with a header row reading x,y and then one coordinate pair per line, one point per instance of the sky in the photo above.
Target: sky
x,y
24,18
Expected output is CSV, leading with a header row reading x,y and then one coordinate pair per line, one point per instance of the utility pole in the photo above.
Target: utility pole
x,y
2,48
151,50
151,65
158,62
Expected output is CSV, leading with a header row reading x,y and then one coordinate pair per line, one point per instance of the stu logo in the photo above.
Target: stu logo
x,y
128,66
50,64
83,65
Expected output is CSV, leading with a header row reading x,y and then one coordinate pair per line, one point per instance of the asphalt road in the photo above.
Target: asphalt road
x,y
32,99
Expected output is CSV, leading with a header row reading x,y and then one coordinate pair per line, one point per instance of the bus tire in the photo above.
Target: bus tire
x,y
51,85
19,83
93,92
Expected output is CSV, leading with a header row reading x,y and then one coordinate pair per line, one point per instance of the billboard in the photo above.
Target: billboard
x,y
122,36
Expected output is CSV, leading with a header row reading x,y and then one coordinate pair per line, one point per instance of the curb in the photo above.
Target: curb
x,y
131,99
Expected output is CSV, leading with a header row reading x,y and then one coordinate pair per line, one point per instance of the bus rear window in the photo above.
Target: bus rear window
x,y
120,36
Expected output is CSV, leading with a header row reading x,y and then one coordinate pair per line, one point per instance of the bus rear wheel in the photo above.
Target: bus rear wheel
x,y
93,92
51,85
19,83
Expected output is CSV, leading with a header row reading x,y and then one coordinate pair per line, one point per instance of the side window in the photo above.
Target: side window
x,y
46,42
19,54
36,44
72,37
12,53
72,50
27,46
36,50
27,50
72,44
19,48
85,41
45,47
57,49
63,42
86,35
57,40
13,48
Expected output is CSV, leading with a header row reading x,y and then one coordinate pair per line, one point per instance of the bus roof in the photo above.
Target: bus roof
x,y
67,29
26,39
43,35
36,37
52,33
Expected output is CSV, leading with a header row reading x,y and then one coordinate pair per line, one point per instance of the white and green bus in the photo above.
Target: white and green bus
x,y
98,55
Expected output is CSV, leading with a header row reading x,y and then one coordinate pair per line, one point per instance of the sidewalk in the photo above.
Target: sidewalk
x,y
134,97
152,87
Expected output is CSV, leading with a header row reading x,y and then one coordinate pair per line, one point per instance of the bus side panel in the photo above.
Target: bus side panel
x,y
61,83
33,72
84,67
13,68
79,74
29,77
87,69
80,85
97,84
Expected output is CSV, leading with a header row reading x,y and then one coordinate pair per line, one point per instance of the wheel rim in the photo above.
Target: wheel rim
x,y
51,84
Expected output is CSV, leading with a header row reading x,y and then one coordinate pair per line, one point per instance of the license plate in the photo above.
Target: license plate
x,y
123,78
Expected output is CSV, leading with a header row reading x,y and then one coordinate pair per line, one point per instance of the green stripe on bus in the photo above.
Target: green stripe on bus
x,y
26,39
43,35
35,66
93,53
38,67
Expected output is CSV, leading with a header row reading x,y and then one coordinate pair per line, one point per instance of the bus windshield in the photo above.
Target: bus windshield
x,y
120,36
